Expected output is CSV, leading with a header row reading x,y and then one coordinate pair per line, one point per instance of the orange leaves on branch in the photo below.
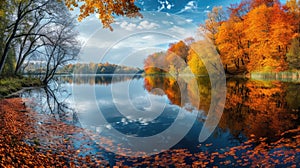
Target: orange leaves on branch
x,y
106,9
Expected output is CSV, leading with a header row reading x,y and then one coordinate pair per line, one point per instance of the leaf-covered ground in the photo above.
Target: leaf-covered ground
x,y
29,139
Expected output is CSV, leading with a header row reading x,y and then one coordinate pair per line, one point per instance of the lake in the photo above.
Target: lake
x,y
157,119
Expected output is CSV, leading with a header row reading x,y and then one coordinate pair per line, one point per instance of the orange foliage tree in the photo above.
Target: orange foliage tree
x,y
256,37
270,32
179,49
232,45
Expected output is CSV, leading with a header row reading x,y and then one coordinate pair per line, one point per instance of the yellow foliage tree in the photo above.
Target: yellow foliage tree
x,y
194,60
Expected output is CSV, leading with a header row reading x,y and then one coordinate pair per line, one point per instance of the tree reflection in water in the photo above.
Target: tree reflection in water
x,y
253,108
52,100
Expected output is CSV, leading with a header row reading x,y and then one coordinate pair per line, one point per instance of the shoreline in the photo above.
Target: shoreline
x,y
17,93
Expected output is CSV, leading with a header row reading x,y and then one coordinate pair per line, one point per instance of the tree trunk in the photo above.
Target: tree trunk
x,y
7,46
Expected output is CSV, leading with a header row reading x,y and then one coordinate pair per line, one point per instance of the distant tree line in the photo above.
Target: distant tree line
x,y
99,68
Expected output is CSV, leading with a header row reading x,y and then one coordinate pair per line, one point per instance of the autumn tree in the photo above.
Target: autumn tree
x,y
194,60
155,63
176,56
269,33
232,45
256,37
60,45
106,10
268,3
258,33
179,49
213,22
283,31
293,56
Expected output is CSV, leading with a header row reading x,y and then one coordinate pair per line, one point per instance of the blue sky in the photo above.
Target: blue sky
x,y
164,22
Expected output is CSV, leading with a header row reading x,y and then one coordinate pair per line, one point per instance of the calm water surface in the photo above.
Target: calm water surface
x,y
146,106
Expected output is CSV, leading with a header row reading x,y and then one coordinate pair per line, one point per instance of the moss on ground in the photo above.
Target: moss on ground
x,y
9,85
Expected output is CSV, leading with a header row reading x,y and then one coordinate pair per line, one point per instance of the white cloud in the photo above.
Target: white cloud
x,y
177,29
189,20
143,25
147,25
131,26
128,26
147,37
164,4
191,5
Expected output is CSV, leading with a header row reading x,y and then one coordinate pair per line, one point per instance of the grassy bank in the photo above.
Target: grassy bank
x,y
9,85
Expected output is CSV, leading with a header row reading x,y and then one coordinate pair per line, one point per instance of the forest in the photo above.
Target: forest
x,y
252,36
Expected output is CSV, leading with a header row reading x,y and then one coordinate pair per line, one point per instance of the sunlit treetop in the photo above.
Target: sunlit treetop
x,y
106,9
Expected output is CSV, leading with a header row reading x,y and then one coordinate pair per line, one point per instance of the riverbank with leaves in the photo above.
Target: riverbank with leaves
x,y
31,139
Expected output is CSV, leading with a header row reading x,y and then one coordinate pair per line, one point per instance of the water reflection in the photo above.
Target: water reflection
x,y
96,79
253,109
54,100
263,109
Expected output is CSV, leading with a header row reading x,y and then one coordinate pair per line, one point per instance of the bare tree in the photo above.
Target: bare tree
x,y
28,41
60,45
